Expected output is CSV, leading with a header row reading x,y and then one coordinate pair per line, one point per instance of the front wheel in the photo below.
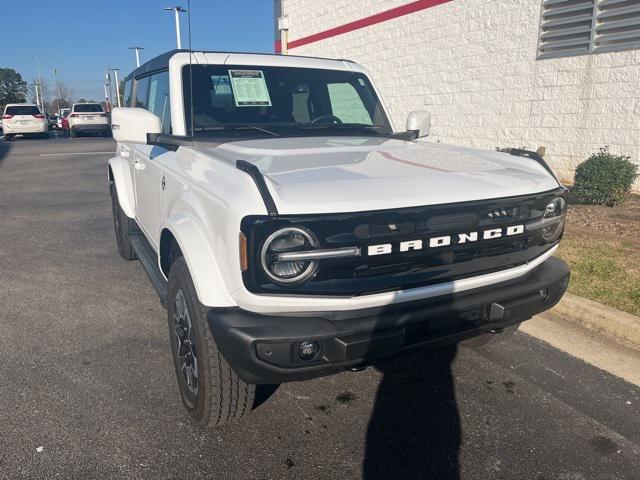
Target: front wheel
x,y
211,391
122,226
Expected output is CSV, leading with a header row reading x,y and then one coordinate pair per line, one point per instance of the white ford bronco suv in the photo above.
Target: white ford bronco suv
x,y
292,232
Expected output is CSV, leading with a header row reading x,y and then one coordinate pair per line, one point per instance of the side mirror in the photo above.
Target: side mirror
x,y
133,124
419,122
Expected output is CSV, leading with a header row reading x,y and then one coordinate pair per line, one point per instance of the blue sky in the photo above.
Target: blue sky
x,y
80,37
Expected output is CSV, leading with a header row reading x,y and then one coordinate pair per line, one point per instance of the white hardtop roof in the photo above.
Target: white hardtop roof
x,y
182,57
266,59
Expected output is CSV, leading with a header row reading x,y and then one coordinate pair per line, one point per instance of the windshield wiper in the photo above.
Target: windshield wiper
x,y
236,127
369,129
345,126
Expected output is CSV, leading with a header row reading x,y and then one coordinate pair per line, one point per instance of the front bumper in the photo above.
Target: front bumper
x,y
263,349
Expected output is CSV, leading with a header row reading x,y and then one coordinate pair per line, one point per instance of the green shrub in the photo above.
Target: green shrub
x,y
604,178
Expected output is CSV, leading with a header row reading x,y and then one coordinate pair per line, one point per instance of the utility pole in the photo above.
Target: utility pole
x,y
137,49
106,97
37,96
115,74
41,101
107,76
55,74
177,10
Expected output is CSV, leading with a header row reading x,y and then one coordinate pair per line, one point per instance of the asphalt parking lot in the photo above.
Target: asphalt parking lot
x,y
87,388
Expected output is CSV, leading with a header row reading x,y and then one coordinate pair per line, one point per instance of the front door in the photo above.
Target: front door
x,y
149,184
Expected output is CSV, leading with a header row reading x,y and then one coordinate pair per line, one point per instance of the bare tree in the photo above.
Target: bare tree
x,y
64,96
46,92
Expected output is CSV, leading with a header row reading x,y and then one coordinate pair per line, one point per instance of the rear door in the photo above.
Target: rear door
x,y
89,114
22,115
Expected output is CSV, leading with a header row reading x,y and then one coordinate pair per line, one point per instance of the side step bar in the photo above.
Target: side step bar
x,y
149,260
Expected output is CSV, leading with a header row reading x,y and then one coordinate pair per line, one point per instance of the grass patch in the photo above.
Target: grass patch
x,y
603,268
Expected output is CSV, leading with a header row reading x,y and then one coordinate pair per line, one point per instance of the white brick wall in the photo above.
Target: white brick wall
x,y
472,64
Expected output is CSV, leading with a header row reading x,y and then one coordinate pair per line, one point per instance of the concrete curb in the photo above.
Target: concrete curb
x,y
617,325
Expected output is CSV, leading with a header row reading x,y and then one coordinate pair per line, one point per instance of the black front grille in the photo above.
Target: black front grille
x,y
400,270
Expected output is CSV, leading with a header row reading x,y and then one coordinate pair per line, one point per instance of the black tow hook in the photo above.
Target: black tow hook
x,y
357,368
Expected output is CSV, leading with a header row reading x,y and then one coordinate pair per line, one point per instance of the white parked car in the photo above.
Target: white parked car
x,y
292,232
23,119
88,118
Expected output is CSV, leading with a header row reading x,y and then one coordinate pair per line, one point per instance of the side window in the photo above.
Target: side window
x,y
347,105
159,99
127,93
142,91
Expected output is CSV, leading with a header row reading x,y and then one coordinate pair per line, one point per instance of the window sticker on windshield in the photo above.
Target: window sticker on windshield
x,y
249,88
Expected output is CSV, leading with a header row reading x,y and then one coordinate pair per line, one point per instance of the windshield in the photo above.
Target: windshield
x,y
89,107
281,100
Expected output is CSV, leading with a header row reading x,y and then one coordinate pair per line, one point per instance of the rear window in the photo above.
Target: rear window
x,y
22,110
91,107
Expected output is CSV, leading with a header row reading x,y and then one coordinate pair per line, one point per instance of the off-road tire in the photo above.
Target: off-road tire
x,y
491,338
221,396
122,225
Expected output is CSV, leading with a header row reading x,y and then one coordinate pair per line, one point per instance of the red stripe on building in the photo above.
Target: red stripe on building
x,y
407,9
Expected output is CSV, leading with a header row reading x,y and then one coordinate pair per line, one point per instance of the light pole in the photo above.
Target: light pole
x,y
137,49
115,73
177,10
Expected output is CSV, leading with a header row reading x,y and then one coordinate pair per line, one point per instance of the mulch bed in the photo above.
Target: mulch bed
x,y
621,221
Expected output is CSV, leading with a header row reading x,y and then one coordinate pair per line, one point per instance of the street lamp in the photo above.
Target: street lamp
x,y
177,10
137,49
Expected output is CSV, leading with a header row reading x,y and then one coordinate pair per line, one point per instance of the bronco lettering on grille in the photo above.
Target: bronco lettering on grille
x,y
446,240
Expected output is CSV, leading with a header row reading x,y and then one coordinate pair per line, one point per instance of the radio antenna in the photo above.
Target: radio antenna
x,y
190,71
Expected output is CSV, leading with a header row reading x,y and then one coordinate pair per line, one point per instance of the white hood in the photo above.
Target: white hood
x,y
351,174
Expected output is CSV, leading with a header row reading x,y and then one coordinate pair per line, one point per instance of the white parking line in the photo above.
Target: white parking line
x,y
76,153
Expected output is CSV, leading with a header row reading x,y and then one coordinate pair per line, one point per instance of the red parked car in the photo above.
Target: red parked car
x,y
65,125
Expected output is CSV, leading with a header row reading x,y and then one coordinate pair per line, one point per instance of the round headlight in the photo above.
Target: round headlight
x,y
554,210
290,239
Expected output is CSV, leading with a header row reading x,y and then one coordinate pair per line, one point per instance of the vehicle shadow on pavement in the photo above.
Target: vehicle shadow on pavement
x,y
4,150
414,431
